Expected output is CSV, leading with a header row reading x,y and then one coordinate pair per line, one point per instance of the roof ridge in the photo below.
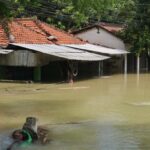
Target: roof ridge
x,y
27,35
20,19
39,22
111,24
27,27
94,26
60,30
39,26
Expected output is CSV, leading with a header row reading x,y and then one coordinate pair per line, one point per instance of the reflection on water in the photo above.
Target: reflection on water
x,y
5,141
110,113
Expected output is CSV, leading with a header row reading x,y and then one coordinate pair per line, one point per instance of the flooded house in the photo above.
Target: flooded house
x,y
34,50
106,34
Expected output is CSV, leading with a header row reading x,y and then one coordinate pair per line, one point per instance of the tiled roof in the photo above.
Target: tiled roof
x,y
26,35
114,28
29,23
32,31
63,37
111,28
3,37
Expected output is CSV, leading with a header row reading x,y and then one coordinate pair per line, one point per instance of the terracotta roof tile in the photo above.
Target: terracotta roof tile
x,y
3,37
33,31
27,35
30,23
109,27
114,28
62,37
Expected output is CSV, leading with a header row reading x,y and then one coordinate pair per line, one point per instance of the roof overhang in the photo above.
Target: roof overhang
x,y
63,52
98,49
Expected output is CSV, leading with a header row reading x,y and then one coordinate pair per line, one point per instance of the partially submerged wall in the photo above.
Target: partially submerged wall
x,y
25,58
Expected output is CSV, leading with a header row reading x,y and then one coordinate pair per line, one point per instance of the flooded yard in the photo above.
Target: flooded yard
x,y
108,113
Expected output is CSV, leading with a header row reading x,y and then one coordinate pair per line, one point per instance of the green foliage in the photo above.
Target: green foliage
x,y
68,13
137,32
4,9
74,14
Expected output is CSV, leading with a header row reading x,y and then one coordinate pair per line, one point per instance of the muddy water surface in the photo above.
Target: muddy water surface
x,y
109,113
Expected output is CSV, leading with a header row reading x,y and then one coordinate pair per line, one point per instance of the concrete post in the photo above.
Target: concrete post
x,y
125,64
138,64
102,67
147,65
99,68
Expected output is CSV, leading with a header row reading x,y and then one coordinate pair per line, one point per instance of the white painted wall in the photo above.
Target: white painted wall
x,y
103,38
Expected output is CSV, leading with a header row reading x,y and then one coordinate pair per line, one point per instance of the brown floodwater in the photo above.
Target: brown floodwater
x,y
107,113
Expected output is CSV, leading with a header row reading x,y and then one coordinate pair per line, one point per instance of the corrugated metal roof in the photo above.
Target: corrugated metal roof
x,y
63,52
48,48
5,51
97,49
81,56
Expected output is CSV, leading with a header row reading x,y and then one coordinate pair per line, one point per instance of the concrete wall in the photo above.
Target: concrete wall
x,y
103,38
